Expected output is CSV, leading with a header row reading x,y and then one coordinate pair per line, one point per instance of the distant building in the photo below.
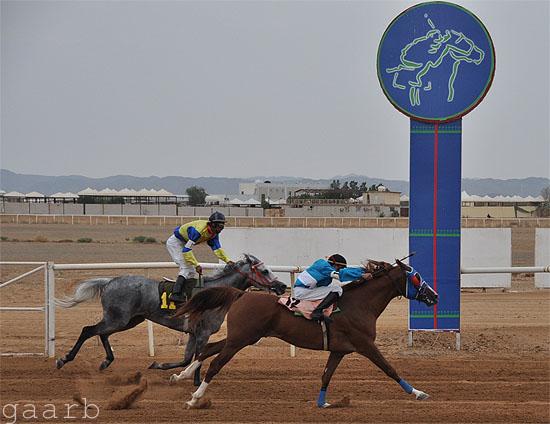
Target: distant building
x,y
268,191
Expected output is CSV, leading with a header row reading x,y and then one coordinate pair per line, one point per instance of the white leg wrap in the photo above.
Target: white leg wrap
x,y
186,373
200,391
197,395
420,395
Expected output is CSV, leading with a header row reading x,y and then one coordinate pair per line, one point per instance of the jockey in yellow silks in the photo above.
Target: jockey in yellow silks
x,y
180,245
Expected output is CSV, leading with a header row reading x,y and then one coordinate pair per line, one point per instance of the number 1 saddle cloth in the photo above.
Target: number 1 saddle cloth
x,y
165,288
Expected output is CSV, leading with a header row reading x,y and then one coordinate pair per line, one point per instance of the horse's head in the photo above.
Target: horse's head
x,y
258,275
416,287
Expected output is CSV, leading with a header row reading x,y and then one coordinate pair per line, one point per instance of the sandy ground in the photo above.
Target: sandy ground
x,y
502,373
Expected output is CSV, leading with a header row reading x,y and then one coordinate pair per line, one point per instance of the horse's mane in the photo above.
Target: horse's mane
x,y
229,268
378,269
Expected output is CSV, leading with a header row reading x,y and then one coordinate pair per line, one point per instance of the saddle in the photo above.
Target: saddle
x,y
305,307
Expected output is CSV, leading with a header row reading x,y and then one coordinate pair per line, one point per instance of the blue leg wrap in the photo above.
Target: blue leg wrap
x,y
406,386
321,398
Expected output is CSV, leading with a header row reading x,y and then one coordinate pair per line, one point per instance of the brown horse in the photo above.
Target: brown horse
x,y
252,316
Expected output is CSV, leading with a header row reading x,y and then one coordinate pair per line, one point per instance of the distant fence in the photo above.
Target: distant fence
x,y
235,220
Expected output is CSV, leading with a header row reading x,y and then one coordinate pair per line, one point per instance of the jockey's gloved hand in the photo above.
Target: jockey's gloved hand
x,y
230,263
198,268
366,276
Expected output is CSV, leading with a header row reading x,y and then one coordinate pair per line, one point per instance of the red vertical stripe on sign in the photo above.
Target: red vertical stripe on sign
x,y
436,141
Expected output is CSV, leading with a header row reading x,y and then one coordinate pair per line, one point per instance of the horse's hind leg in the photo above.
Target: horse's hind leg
x,y
332,363
85,334
107,346
371,351
103,328
104,336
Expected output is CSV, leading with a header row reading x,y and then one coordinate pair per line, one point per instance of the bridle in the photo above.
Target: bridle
x,y
255,276
385,271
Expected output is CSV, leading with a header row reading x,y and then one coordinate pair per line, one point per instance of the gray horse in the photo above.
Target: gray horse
x,y
128,300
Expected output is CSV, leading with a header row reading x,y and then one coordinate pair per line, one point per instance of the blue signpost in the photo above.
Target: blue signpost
x,y
436,62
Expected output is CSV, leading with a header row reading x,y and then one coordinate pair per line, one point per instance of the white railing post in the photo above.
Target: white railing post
x,y
150,338
292,280
150,333
49,307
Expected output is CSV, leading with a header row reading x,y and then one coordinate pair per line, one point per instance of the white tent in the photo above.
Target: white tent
x,y
107,192
14,194
88,192
34,194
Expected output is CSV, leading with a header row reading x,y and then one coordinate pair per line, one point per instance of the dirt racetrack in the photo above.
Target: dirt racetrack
x,y
501,375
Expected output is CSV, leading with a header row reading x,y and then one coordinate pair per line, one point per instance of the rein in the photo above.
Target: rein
x,y
261,280
386,271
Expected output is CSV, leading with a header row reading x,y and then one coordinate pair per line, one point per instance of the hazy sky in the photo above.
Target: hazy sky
x,y
241,89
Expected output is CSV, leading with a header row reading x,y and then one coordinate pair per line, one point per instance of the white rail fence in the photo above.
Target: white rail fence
x,y
49,269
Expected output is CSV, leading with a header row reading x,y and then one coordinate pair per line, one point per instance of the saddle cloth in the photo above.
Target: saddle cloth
x,y
165,290
304,307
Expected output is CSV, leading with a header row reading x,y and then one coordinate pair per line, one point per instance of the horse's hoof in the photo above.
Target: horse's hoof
x,y
173,379
59,363
104,365
422,396
324,405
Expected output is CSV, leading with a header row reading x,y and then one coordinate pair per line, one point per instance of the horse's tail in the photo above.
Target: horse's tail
x,y
85,291
213,298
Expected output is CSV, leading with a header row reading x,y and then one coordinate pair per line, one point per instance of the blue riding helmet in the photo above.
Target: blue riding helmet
x,y
217,218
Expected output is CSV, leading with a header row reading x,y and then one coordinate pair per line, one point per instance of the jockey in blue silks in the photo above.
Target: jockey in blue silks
x,y
316,282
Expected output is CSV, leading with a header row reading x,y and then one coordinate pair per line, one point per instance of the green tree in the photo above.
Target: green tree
x,y
543,210
197,196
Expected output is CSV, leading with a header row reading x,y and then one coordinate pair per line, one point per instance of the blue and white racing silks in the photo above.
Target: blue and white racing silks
x,y
319,274
350,273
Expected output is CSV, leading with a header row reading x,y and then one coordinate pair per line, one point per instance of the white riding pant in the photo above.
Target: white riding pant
x,y
303,293
175,246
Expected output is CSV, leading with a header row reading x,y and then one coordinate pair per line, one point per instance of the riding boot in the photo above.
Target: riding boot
x,y
317,314
188,287
177,294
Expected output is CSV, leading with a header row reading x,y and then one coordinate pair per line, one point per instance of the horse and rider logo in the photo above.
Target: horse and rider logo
x,y
436,61
451,44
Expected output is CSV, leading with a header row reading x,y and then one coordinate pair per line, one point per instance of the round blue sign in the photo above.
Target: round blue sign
x,y
436,62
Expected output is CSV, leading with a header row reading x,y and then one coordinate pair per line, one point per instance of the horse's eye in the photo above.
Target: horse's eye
x,y
265,272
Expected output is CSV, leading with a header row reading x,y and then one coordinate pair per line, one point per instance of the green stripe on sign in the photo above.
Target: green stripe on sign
x,y
455,315
433,132
429,233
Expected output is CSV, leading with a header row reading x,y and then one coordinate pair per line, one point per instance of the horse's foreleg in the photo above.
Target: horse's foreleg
x,y
187,357
215,366
211,349
332,363
371,351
